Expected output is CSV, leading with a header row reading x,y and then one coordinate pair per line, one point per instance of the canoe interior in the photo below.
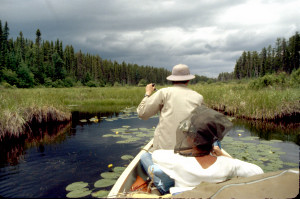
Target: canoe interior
x,y
129,175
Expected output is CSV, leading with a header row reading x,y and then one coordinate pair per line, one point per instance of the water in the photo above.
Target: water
x,y
42,166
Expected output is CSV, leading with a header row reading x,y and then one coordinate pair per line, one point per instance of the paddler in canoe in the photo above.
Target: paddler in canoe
x,y
173,103
194,158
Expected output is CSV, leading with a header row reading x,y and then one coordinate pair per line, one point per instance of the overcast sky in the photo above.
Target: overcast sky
x,y
207,35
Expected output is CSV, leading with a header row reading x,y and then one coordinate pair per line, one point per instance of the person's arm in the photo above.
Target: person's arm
x,y
150,105
242,168
220,152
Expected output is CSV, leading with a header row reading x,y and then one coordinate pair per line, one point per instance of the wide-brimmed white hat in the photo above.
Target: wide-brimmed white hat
x,y
180,72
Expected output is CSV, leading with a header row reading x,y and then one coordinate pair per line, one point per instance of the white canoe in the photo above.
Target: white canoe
x,y
128,177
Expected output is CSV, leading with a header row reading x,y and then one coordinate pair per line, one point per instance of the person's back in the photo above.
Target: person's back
x,y
187,172
173,103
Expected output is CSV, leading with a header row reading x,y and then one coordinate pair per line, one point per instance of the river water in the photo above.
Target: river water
x,y
45,163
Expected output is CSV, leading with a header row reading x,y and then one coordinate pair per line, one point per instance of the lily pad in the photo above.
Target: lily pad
x,y
100,194
127,157
110,175
79,193
263,159
119,169
104,183
246,138
276,141
240,131
76,186
109,120
110,135
291,164
128,140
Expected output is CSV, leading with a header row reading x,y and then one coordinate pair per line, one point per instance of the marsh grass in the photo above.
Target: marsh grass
x,y
241,101
21,107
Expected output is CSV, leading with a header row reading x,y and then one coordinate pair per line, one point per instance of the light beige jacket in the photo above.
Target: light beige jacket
x,y
174,104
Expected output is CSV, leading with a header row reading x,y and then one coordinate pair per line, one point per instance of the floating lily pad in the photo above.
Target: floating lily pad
x,y
128,140
125,141
134,129
110,120
263,159
110,135
276,141
127,157
79,193
76,185
110,175
83,120
143,129
104,183
240,131
125,126
291,164
246,138
143,135
100,194
119,169
119,130
265,141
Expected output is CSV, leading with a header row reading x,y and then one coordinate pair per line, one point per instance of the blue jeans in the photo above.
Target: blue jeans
x,y
161,180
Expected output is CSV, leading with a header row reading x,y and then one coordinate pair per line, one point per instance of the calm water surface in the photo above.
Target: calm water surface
x,y
42,166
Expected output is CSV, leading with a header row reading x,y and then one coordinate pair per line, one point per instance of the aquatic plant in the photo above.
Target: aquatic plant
x,y
78,190
104,183
256,151
127,157
100,194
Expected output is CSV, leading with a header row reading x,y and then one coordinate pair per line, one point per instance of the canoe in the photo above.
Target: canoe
x,y
278,184
122,186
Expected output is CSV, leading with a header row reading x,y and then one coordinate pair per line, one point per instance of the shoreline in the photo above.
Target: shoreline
x,y
22,108
46,115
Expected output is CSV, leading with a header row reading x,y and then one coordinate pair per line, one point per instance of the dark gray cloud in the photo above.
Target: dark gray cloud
x,y
208,35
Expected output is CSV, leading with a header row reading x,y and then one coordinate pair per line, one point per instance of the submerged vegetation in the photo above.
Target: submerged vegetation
x,y
275,100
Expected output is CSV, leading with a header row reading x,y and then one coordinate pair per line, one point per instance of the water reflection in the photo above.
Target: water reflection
x,y
272,131
12,150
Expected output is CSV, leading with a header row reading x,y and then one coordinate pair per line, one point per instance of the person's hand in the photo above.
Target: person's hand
x,y
217,151
150,88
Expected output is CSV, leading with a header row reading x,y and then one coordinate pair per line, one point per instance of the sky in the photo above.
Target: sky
x,y
207,35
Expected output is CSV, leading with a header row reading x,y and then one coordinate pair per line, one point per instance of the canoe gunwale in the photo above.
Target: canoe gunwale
x,y
120,185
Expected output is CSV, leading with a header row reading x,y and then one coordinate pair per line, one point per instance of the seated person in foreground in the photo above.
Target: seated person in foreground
x,y
195,159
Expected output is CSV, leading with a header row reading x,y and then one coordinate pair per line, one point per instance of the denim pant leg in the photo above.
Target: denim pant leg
x,y
161,180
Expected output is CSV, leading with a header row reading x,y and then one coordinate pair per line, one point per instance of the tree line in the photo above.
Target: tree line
x,y
284,57
26,63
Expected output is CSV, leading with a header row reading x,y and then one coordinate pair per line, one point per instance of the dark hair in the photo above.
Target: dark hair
x,y
205,148
180,82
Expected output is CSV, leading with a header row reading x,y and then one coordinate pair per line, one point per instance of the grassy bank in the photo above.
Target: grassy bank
x,y
241,101
22,107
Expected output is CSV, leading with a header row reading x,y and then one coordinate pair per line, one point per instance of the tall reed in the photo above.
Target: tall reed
x,y
21,107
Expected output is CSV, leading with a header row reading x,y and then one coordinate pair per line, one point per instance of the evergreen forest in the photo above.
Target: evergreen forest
x,y
25,63
284,57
